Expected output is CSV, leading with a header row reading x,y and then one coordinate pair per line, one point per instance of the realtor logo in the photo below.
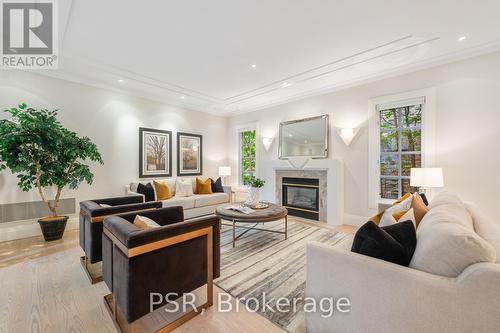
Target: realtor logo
x,y
29,34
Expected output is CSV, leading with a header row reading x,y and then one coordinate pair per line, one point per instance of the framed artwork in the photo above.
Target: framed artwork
x,y
155,153
189,154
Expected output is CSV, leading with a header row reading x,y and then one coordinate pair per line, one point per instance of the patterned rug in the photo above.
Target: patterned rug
x,y
266,263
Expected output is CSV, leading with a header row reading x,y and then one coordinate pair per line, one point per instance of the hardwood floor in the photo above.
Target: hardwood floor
x,y
43,288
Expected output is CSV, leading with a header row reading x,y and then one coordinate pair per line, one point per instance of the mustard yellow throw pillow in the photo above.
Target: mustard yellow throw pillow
x,y
203,187
145,223
162,191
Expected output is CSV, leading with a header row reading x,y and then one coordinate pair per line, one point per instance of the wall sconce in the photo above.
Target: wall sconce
x,y
267,142
347,134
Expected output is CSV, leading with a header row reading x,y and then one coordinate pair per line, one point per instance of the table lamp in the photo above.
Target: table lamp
x,y
224,171
426,178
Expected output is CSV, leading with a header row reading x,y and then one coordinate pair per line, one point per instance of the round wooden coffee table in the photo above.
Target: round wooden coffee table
x,y
270,214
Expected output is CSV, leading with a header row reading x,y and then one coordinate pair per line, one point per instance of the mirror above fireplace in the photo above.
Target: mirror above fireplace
x,y
304,138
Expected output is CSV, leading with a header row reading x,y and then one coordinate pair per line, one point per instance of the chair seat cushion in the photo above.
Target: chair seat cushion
x,y
394,243
202,200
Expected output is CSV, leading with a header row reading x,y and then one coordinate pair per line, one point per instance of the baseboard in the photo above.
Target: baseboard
x,y
28,228
355,220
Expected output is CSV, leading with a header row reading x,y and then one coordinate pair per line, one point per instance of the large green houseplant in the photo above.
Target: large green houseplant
x,y
35,146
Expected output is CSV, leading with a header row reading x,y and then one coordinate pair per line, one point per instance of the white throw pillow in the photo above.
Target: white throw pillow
x,y
183,187
144,223
403,206
447,249
388,219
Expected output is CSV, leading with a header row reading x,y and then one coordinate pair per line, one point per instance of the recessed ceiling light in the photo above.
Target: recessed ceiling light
x,y
462,38
254,66
121,80
183,97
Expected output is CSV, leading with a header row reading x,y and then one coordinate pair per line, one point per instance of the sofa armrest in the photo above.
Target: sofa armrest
x,y
170,230
123,200
92,209
379,292
227,190
162,216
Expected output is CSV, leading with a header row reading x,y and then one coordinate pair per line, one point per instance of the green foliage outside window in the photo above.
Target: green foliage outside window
x,y
248,145
400,148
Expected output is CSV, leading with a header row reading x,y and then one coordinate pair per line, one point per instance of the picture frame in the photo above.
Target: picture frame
x,y
189,154
155,153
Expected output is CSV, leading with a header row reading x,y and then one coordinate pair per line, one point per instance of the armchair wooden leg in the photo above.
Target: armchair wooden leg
x,y
93,273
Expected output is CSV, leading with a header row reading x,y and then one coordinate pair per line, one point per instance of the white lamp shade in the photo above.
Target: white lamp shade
x,y
224,171
426,177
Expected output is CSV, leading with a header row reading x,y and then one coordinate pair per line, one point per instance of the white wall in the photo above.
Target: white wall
x,y
112,121
467,129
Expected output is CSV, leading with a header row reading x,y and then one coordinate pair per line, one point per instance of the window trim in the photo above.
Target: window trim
x,y
427,128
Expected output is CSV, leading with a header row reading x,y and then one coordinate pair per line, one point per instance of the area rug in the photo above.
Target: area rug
x,y
264,263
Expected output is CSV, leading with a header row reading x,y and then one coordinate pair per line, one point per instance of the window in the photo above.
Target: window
x,y
247,155
400,128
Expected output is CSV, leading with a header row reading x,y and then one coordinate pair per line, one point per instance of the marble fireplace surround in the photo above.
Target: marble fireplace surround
x,y
330,173
315,174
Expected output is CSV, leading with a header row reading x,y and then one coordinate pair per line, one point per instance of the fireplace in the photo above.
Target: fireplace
x,y
301,197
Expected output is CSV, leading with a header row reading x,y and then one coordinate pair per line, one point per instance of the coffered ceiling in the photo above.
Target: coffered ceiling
x,y
231,56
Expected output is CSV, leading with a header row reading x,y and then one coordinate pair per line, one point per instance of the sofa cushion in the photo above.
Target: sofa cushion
x,y
146,190
394,243
376,218
203,186
486,228
202,200
447,249
183,187
162,190
389,219
184,202
217,186
419,208
171,185
145,223
446,213
445,198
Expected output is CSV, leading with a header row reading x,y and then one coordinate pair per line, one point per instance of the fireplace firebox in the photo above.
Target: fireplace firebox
x,y
301,197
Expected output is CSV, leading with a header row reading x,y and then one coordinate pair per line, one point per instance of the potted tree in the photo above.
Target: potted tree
x,y
35,146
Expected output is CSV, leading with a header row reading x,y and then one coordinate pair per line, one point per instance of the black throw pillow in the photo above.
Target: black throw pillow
x,y
394,243
424,199
147,190
217,186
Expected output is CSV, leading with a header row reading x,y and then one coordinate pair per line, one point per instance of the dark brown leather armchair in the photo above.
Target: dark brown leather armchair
x,y
91,216
178,257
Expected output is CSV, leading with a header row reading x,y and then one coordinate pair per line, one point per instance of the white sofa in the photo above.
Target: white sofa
x,y
386,297
195,205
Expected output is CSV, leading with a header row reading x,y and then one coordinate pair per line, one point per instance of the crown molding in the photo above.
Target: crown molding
x,y
219,107
406,69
